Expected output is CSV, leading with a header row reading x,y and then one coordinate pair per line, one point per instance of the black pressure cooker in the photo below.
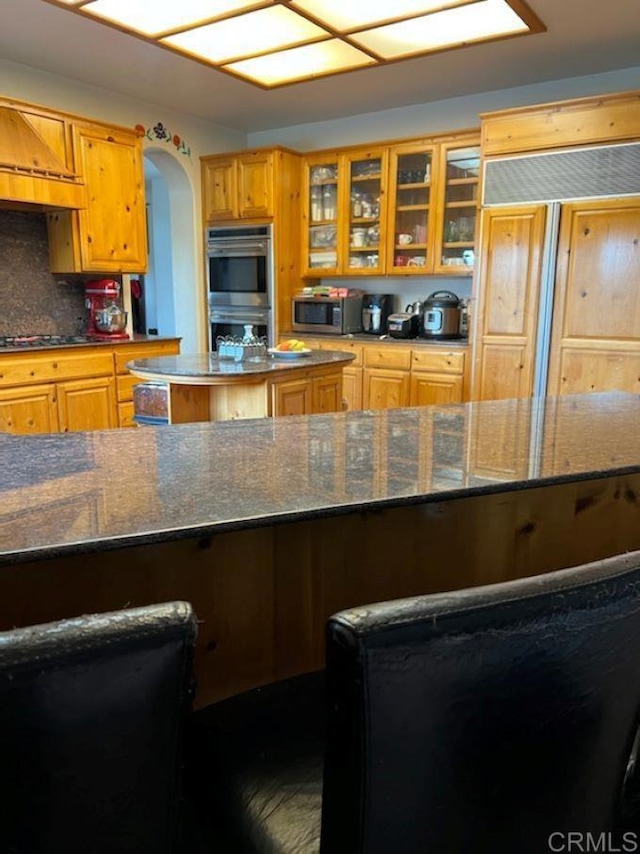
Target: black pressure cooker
x,y
441,316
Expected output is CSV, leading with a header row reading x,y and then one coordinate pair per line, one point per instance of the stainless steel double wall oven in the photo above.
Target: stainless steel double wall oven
x,y
240,277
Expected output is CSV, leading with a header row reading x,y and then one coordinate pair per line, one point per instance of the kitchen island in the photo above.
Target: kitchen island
x,y
204,387
270,525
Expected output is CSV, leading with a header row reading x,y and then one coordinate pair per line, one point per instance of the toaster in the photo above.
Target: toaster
x,y
403,324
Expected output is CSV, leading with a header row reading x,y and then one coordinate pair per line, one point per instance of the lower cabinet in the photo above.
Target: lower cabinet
x,y
437,376
429,389
352,388
29,410
326,395
292,397
88,404
385,389
386,376
386,379
307,396
74,388
129,351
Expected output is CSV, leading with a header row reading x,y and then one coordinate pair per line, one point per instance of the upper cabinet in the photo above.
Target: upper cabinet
x,y
457,206
406,209
322,215
362,238
109,234
411,221
343,218
239,186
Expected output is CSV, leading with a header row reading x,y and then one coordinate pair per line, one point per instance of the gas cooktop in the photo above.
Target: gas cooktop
x,y
44,340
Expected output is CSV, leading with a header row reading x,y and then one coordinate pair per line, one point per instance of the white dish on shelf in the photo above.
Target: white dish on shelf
x,y
288,354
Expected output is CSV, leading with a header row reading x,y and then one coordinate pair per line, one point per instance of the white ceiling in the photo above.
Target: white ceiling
x,y
583,37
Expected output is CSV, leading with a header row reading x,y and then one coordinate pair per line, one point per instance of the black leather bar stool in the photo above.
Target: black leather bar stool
x,y
92,714
480,721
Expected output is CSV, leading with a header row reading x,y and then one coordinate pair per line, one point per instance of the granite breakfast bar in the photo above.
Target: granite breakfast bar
x,y
269,525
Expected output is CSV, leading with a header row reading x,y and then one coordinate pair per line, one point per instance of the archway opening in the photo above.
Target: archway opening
x,y
171,294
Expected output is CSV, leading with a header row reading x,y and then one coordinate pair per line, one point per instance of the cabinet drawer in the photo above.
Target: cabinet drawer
x,y
143,351
41,368
124,386
345,346
438,361
388,357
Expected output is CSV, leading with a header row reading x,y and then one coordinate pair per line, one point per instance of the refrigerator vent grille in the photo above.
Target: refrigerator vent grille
x,y
585,173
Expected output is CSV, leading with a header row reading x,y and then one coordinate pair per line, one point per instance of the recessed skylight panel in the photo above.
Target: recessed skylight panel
x,y
246,35
152,17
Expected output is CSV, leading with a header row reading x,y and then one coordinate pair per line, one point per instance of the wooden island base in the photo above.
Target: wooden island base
x,y
263,594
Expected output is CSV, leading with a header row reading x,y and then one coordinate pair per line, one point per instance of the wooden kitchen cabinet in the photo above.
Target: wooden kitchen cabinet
x,y
384,388
327,393
386,379
219,189
88,404
60,390
72,388
344,212
109,234
29,410
238,186
411,209
436,377
508,299
431,389
390,375
358,201
352,374
129,351
322,213
291,397
364,204
457,201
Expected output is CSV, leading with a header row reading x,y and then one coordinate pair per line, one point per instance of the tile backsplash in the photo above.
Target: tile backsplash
x,y
32,300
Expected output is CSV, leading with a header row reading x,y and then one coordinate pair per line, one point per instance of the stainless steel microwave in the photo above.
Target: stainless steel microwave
x,y
327,315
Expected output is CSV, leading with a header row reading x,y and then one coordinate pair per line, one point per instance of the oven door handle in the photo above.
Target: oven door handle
x,y
234,251
240,317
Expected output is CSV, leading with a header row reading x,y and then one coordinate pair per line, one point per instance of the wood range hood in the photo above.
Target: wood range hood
x,y
32,174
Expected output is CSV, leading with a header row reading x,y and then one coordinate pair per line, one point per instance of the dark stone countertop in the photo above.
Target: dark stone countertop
x,y
29,349
82,492
199,367
366,338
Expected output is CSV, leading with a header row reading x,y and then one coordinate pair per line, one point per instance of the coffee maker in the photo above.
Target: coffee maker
x,y
376,309
107,318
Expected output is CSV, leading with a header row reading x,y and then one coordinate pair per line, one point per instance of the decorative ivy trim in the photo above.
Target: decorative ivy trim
x,y
159,133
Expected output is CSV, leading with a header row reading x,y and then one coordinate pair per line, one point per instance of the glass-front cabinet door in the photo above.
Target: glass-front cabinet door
x,y
364,205
411,220
457,209
321,215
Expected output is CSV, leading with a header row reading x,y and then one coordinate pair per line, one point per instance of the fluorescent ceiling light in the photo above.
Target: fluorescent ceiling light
x,y
247,35
152,17
301,63
477,22
274,42
345,15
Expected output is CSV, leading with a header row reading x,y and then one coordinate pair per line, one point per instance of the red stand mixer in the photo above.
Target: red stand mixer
x,y
107,318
